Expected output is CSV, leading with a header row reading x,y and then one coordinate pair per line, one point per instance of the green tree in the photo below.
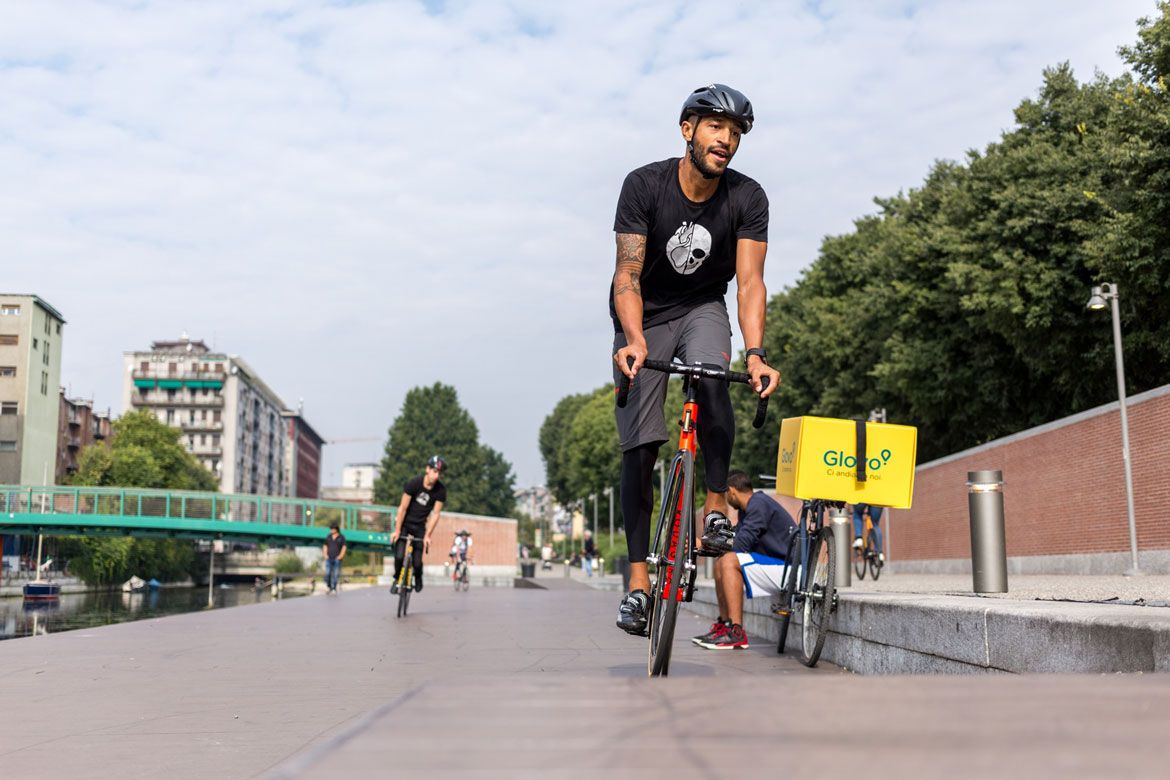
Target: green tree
x,y
554,433
143,453
478,478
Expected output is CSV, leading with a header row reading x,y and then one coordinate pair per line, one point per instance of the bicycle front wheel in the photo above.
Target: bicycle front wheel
x,y
818,600
671,547
404,589
875,563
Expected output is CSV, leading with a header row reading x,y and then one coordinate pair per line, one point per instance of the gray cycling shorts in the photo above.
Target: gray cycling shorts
x,y
703,335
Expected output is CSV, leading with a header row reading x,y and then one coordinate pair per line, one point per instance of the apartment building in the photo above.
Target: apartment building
x,y
30,374
357,484
231,420
78,427
302,456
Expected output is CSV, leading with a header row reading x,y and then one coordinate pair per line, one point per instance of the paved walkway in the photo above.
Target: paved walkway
x,y
525,682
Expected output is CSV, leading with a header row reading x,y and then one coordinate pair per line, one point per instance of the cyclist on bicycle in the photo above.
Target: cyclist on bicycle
x,y
752,559
461,549
875,515
422,498
685,226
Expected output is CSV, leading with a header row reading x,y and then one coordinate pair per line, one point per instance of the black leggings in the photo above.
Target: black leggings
x,y
416,558
716,437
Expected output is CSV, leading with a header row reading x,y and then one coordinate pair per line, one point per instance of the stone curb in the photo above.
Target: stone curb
x,y
904,633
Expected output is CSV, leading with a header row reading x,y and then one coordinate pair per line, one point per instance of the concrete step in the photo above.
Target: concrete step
x,y
902,633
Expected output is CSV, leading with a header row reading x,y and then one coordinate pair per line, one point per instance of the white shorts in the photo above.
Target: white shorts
x,y
761,575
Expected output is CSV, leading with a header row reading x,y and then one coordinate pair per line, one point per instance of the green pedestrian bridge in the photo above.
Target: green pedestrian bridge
x,y
179,514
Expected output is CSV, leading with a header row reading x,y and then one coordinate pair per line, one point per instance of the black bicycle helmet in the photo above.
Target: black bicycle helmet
x,y
437,463
719,99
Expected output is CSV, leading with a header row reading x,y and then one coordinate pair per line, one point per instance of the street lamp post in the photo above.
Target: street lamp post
x,y
1097,301
660,467
609,493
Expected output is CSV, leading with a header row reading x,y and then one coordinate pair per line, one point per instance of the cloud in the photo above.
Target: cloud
x,y
365,197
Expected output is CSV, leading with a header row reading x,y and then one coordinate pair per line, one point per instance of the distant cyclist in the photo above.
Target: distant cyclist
x,y
875,515
461,549
418,514
685,226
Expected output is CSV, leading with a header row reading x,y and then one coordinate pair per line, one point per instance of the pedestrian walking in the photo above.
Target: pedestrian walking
x,y
334,550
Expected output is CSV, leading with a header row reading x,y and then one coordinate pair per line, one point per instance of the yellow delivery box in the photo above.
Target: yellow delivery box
x,y
818,459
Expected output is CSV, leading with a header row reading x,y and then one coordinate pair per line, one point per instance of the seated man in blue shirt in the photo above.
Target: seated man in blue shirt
x,y
755,564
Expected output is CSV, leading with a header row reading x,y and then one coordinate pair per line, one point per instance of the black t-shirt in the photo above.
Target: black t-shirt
x,y
690,247
422,502
333,545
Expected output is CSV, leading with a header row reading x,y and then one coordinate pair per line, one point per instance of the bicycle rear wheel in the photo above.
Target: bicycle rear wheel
x,y
788,595
673,540
860,556
818,600
875,563
465,579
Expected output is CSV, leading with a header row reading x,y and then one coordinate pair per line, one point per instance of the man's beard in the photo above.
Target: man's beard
x,y
697,160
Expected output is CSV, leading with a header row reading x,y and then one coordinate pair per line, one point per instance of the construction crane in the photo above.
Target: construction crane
x,y
356,440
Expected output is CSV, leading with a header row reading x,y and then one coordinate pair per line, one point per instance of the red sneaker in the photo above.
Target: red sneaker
x,y
718,629
735,637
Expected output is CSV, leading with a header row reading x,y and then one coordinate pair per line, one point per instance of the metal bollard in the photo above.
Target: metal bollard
x,y
842,540
567,567
988,543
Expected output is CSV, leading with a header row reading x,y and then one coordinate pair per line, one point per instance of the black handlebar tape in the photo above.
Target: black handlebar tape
x,y
762,406
623,390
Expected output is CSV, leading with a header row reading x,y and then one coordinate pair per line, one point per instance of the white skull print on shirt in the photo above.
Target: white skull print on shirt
x,y
689,247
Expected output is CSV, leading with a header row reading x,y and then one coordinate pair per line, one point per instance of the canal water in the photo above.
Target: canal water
x,y
19,618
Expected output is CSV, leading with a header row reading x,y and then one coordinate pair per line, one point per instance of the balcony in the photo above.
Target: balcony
x,y
160,399
146,380
201,425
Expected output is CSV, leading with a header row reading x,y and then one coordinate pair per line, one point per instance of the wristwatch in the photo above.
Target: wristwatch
x,y
759,352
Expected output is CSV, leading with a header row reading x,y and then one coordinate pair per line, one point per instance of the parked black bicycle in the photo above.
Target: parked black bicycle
x,y
810,590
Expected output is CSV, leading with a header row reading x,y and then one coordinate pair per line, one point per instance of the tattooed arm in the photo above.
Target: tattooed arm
x,y
627,299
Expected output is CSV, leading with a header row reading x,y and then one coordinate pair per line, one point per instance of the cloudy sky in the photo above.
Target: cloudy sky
x,y
363,197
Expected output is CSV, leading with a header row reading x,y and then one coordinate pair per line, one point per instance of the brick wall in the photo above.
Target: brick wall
x,y
1064,491
493,539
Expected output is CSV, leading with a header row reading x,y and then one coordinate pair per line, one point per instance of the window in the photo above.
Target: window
x,y
215,416
144,366
7,370
9,339
48,326
36,344
202,439
44,383
8,407
172,368
170,416
46,356
9,310
7,445
58,329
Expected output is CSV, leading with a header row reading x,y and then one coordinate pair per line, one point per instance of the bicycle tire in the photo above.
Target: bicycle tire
x,y
818,601
860,557
875,563
404,589
465,579
787,596
665,594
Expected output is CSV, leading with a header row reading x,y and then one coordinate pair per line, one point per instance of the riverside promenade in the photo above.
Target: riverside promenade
x,y
529,682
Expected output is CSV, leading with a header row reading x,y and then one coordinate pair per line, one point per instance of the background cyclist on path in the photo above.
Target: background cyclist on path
x,y
685,226
422,498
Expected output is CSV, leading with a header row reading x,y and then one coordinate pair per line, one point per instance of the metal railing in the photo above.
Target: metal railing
x,y
193,505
